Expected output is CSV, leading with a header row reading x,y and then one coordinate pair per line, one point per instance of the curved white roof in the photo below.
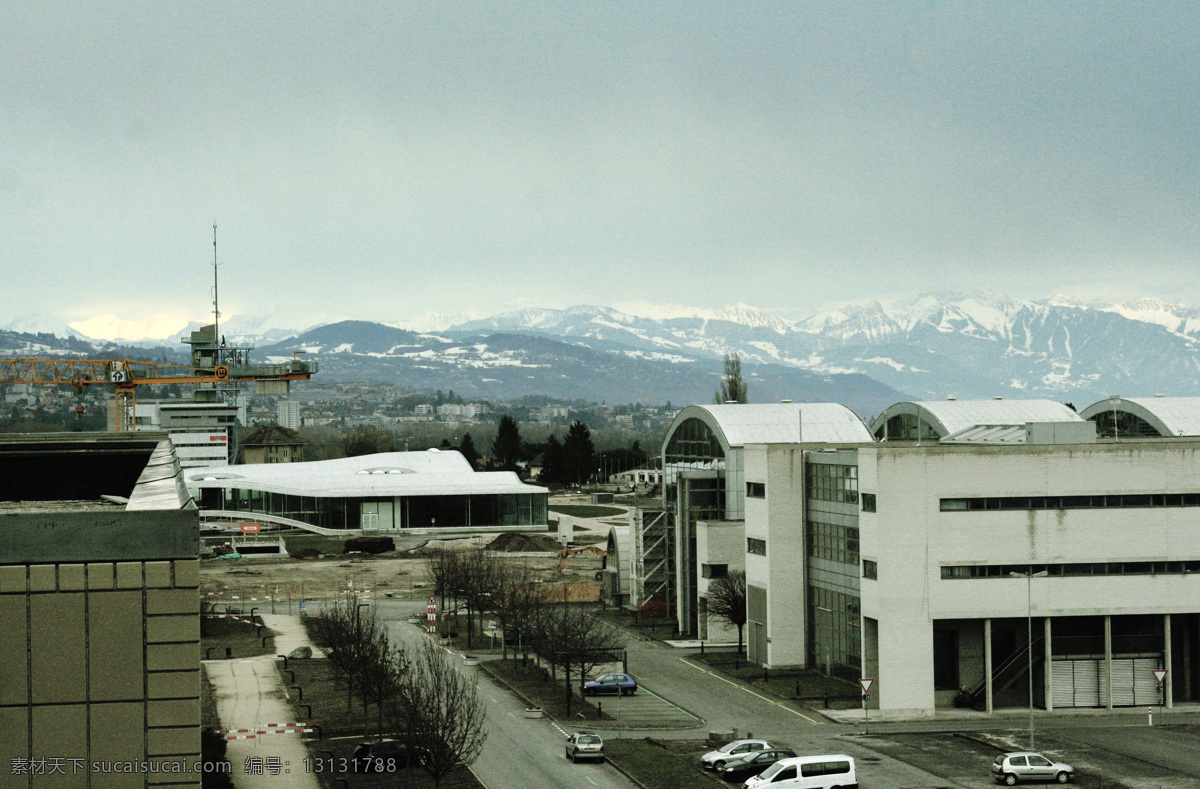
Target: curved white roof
x,y
778,423
951,416
1170,416
430,473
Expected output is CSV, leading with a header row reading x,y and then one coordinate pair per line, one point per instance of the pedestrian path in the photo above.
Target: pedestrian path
x,y
250,696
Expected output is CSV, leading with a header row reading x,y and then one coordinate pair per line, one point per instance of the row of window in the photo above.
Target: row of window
x,y
952,572
826,482
833,542
1071,502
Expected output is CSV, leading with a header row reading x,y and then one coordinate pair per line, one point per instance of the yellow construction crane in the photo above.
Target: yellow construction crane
x,y
125,375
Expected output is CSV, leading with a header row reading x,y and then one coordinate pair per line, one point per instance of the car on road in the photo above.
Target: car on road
x,y
753,763
584,745
385,756
616,684
1029,766
715,760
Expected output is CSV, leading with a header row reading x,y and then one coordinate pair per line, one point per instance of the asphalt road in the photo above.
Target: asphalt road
x,y
519,752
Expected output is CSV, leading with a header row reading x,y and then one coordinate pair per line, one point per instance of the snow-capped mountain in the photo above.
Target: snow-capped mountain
x,y
971,344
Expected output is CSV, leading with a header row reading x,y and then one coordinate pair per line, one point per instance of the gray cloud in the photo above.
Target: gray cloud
x,y
382,160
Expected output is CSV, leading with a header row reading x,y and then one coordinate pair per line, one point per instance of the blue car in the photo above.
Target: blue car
x,y
621,684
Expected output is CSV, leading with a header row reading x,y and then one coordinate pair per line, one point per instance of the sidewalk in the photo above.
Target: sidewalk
x,y
250,694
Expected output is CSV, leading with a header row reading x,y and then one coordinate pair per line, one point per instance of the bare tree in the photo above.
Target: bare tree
x,y
516,602
727,600
733,387
480,577
442,713
444,567
572,637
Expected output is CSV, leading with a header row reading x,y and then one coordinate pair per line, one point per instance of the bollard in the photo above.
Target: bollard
x,y
319,730
307,710
1149,716
264,640
253,611
766,676
228,652
701,647
299,693
293,675
208,653
599,710
284,660
797,693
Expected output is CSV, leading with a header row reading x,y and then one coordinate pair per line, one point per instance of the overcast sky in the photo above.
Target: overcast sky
x,y
384,160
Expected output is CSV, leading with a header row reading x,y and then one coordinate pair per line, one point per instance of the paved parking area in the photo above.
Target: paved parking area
x,y
644,710
964,759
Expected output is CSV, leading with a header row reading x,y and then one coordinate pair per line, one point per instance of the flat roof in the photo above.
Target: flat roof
x,y
430,473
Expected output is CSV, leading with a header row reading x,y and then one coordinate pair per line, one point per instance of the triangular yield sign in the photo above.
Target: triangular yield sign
x,y
866,684
1160,674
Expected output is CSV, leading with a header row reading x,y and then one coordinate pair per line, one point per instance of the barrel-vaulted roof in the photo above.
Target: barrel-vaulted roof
x,y
429,473
1170,416
951,416
738,424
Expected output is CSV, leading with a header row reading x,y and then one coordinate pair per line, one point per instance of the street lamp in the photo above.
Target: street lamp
x,y
1029,575
828,637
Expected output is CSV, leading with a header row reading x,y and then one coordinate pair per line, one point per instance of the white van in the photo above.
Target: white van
x,y
807,772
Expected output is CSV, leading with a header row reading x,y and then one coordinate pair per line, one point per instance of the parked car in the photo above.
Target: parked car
x,y
835,771
715,760
622,684
753,763
1029,766
385,756
585,745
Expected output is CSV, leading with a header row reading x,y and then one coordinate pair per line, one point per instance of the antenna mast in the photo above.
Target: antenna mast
x,y
216,310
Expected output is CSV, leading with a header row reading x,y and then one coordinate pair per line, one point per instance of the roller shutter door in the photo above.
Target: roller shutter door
x,y
1076,683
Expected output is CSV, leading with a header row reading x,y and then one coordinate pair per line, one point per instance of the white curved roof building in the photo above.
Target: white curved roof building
x,y
388,493
1145,416
932,420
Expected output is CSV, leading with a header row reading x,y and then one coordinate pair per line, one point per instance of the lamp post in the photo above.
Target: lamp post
x,y
1029,575
828,637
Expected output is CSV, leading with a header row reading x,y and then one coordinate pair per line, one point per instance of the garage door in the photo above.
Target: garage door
x,y
1080,683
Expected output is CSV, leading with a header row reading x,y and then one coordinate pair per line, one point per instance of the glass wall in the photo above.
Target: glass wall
x,y
412,512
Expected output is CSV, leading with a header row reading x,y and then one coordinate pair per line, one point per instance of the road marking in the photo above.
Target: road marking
x,y
591,780
814,722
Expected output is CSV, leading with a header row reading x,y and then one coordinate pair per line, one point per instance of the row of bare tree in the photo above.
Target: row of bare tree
x,y
532,615
418,695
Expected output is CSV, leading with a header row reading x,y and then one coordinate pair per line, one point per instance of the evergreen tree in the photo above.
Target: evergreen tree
x,y
578,452
507,446
733,388
467,448
552,461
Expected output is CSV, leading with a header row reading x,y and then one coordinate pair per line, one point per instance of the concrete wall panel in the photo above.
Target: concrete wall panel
x,y
57,648
60,732
14,651
115,627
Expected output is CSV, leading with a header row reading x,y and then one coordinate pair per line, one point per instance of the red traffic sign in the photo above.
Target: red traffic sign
x,y
866,684
1160,674
250,528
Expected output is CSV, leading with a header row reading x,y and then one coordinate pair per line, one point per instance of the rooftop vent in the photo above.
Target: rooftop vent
x,y
951,397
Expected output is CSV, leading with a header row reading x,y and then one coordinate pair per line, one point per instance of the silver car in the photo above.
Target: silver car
x,y
715,760
585,745
1029,766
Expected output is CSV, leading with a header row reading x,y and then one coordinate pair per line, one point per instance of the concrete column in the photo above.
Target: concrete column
x,y
1168,683
987,664
1187,665
1047,666
1108,660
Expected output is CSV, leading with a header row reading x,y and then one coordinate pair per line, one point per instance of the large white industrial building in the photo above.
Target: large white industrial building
x,y
919,551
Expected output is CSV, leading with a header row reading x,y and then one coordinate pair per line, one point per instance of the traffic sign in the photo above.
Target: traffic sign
x,y
866,685
1160,674
431,614
250,528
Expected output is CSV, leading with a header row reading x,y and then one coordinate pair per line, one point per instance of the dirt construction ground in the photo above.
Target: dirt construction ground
x,y
259,582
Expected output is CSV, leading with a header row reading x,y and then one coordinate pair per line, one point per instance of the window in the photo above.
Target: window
x,y
714,570
868,502
870,569
756,490
828,482
1026,503
756,547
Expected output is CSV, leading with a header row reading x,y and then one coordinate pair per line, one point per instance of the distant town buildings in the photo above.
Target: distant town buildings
x,y
201,431
287,414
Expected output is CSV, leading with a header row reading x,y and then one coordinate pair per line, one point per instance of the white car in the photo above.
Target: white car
x,y
715,760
